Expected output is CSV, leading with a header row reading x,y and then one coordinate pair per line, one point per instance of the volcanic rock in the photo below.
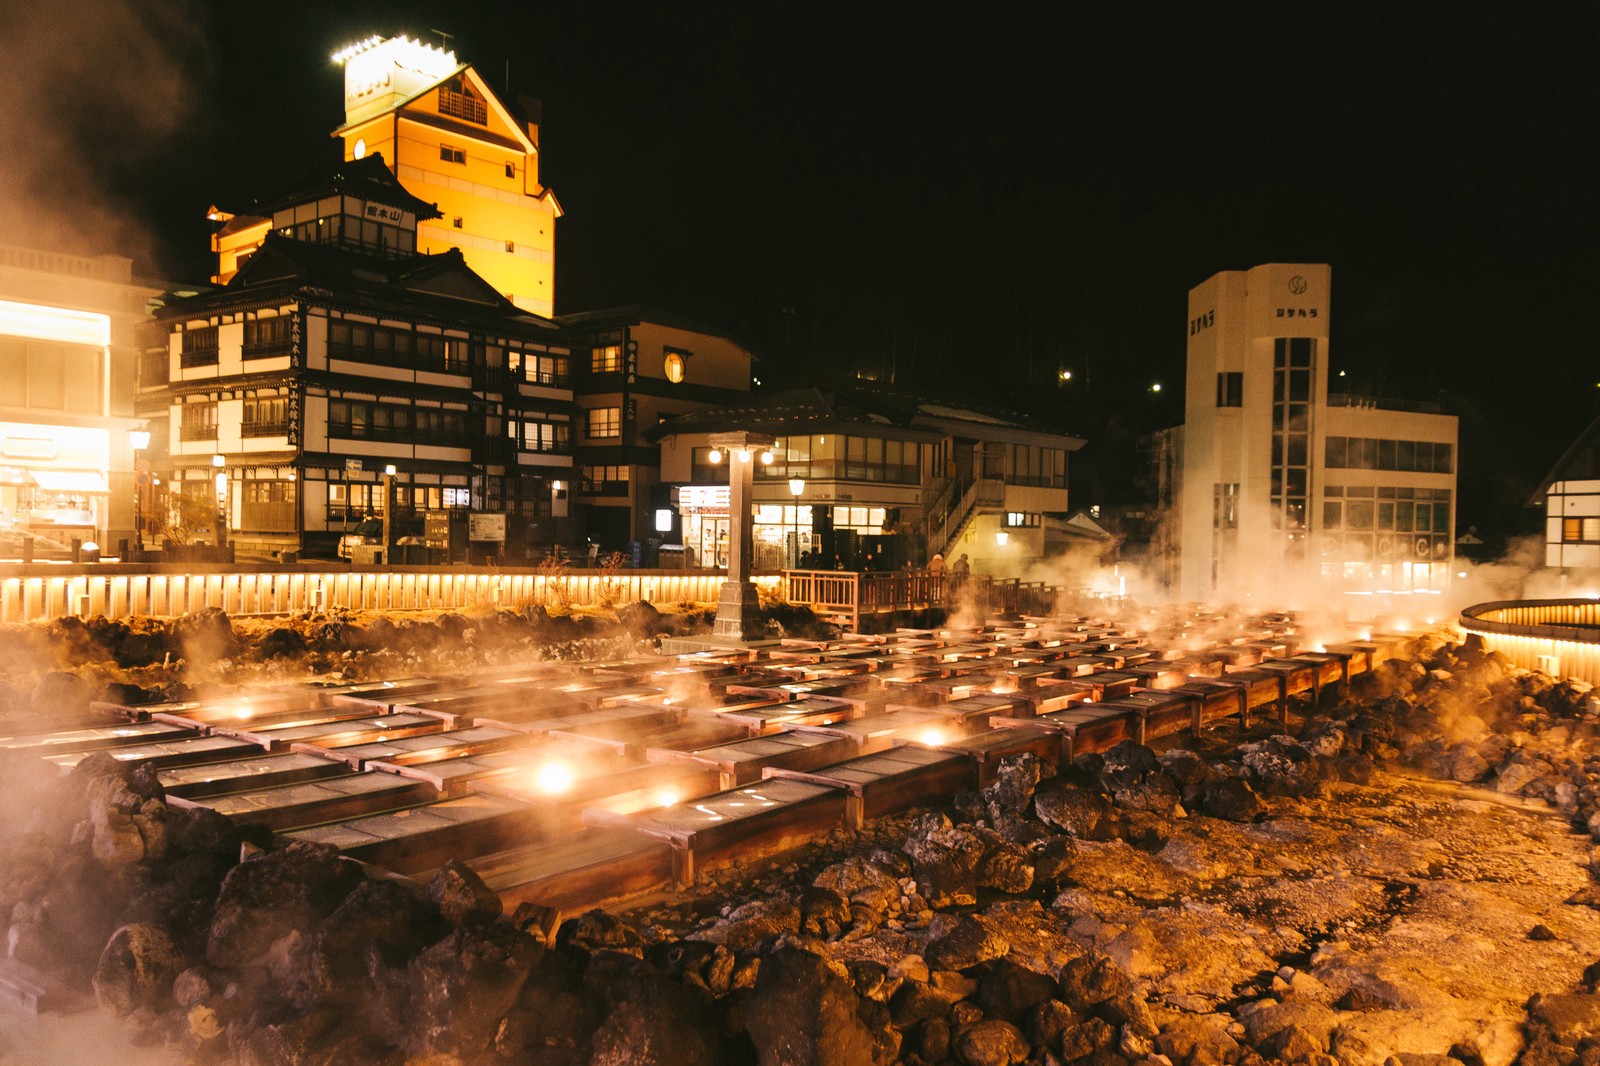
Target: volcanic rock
x,y
278,891
137,969
944,859
1280,766
1090,980
992,1043
1198,1040
861,882
1232,798
802,1013
972,941
461,895
657,1022
1074,808
753,924
1009,795
463,985
1011,992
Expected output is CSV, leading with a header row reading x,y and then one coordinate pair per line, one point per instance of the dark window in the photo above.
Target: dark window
x,y
452,155
265,416
1230,389
265,337
199,347
198,422
459,101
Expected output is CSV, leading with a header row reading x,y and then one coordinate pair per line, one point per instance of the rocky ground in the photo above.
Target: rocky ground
x,y
1404,874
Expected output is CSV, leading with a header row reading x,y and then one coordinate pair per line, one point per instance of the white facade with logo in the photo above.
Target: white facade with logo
x,y
1286,483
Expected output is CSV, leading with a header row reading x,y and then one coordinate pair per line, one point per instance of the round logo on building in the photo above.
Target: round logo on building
x,y
1297,284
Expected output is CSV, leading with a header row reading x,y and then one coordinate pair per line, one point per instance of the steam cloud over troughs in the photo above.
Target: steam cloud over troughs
x,y
94,89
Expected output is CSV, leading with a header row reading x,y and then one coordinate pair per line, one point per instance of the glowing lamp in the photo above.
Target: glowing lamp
x,y
766,458
797,485
139,439
219,461
553,778
744,455
714,456
389,471
1002,537
90,546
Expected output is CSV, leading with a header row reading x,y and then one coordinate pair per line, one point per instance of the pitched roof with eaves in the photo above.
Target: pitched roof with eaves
x,y
439,287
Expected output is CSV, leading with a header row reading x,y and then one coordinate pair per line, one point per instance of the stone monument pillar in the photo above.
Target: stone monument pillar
x,y
738,610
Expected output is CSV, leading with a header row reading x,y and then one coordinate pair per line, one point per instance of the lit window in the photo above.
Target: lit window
x,y
605,359
674,367
605,422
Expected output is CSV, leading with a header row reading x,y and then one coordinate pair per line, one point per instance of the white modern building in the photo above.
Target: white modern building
x,y
1282,487
68,346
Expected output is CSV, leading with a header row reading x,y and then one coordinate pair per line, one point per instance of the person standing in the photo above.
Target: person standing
x,y
936,564
961,568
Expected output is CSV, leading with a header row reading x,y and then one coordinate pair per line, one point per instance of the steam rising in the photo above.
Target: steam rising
x,y
93,86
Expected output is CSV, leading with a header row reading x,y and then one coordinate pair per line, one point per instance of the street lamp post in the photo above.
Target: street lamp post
x,y
797,485
388,509
139,440
219,463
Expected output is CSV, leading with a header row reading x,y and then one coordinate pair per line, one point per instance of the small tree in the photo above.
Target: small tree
x,y
185,517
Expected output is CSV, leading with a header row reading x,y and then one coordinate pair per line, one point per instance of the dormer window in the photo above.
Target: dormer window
x,y
457,100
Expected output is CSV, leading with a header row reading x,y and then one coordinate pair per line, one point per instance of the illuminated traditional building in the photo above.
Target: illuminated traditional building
x,y
1570,497
68,346
338,350
1278,480
870,479
636,368
456,143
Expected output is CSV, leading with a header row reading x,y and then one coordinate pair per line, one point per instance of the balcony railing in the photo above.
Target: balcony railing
x,y
1382,403
264,429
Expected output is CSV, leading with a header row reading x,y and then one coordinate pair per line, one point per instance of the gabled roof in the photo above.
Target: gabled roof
x,y
1580,462
368,178
514,121
440,286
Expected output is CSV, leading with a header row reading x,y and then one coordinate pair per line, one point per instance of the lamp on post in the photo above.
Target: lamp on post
x,y
138,440
219,463
388,510
797,485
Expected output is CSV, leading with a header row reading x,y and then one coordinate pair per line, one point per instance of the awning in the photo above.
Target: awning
x,y
83,482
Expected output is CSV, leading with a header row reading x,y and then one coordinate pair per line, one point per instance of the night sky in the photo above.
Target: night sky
x,y
969,200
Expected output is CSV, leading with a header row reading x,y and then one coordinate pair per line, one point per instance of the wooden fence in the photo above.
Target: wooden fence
x,y
31,593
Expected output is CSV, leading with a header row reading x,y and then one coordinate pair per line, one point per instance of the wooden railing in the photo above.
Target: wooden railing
x,y
847,595
39,592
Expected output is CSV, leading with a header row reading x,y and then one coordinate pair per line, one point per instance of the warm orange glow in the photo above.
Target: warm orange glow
x,y
553,778
934,735
666,797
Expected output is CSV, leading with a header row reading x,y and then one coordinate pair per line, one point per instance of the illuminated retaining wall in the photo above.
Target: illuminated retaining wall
x,y
40,592
1558,637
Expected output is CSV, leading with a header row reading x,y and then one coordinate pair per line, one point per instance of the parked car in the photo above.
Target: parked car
x,y
406,531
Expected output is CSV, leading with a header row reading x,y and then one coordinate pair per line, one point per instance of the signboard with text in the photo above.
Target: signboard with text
x,y
486,527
